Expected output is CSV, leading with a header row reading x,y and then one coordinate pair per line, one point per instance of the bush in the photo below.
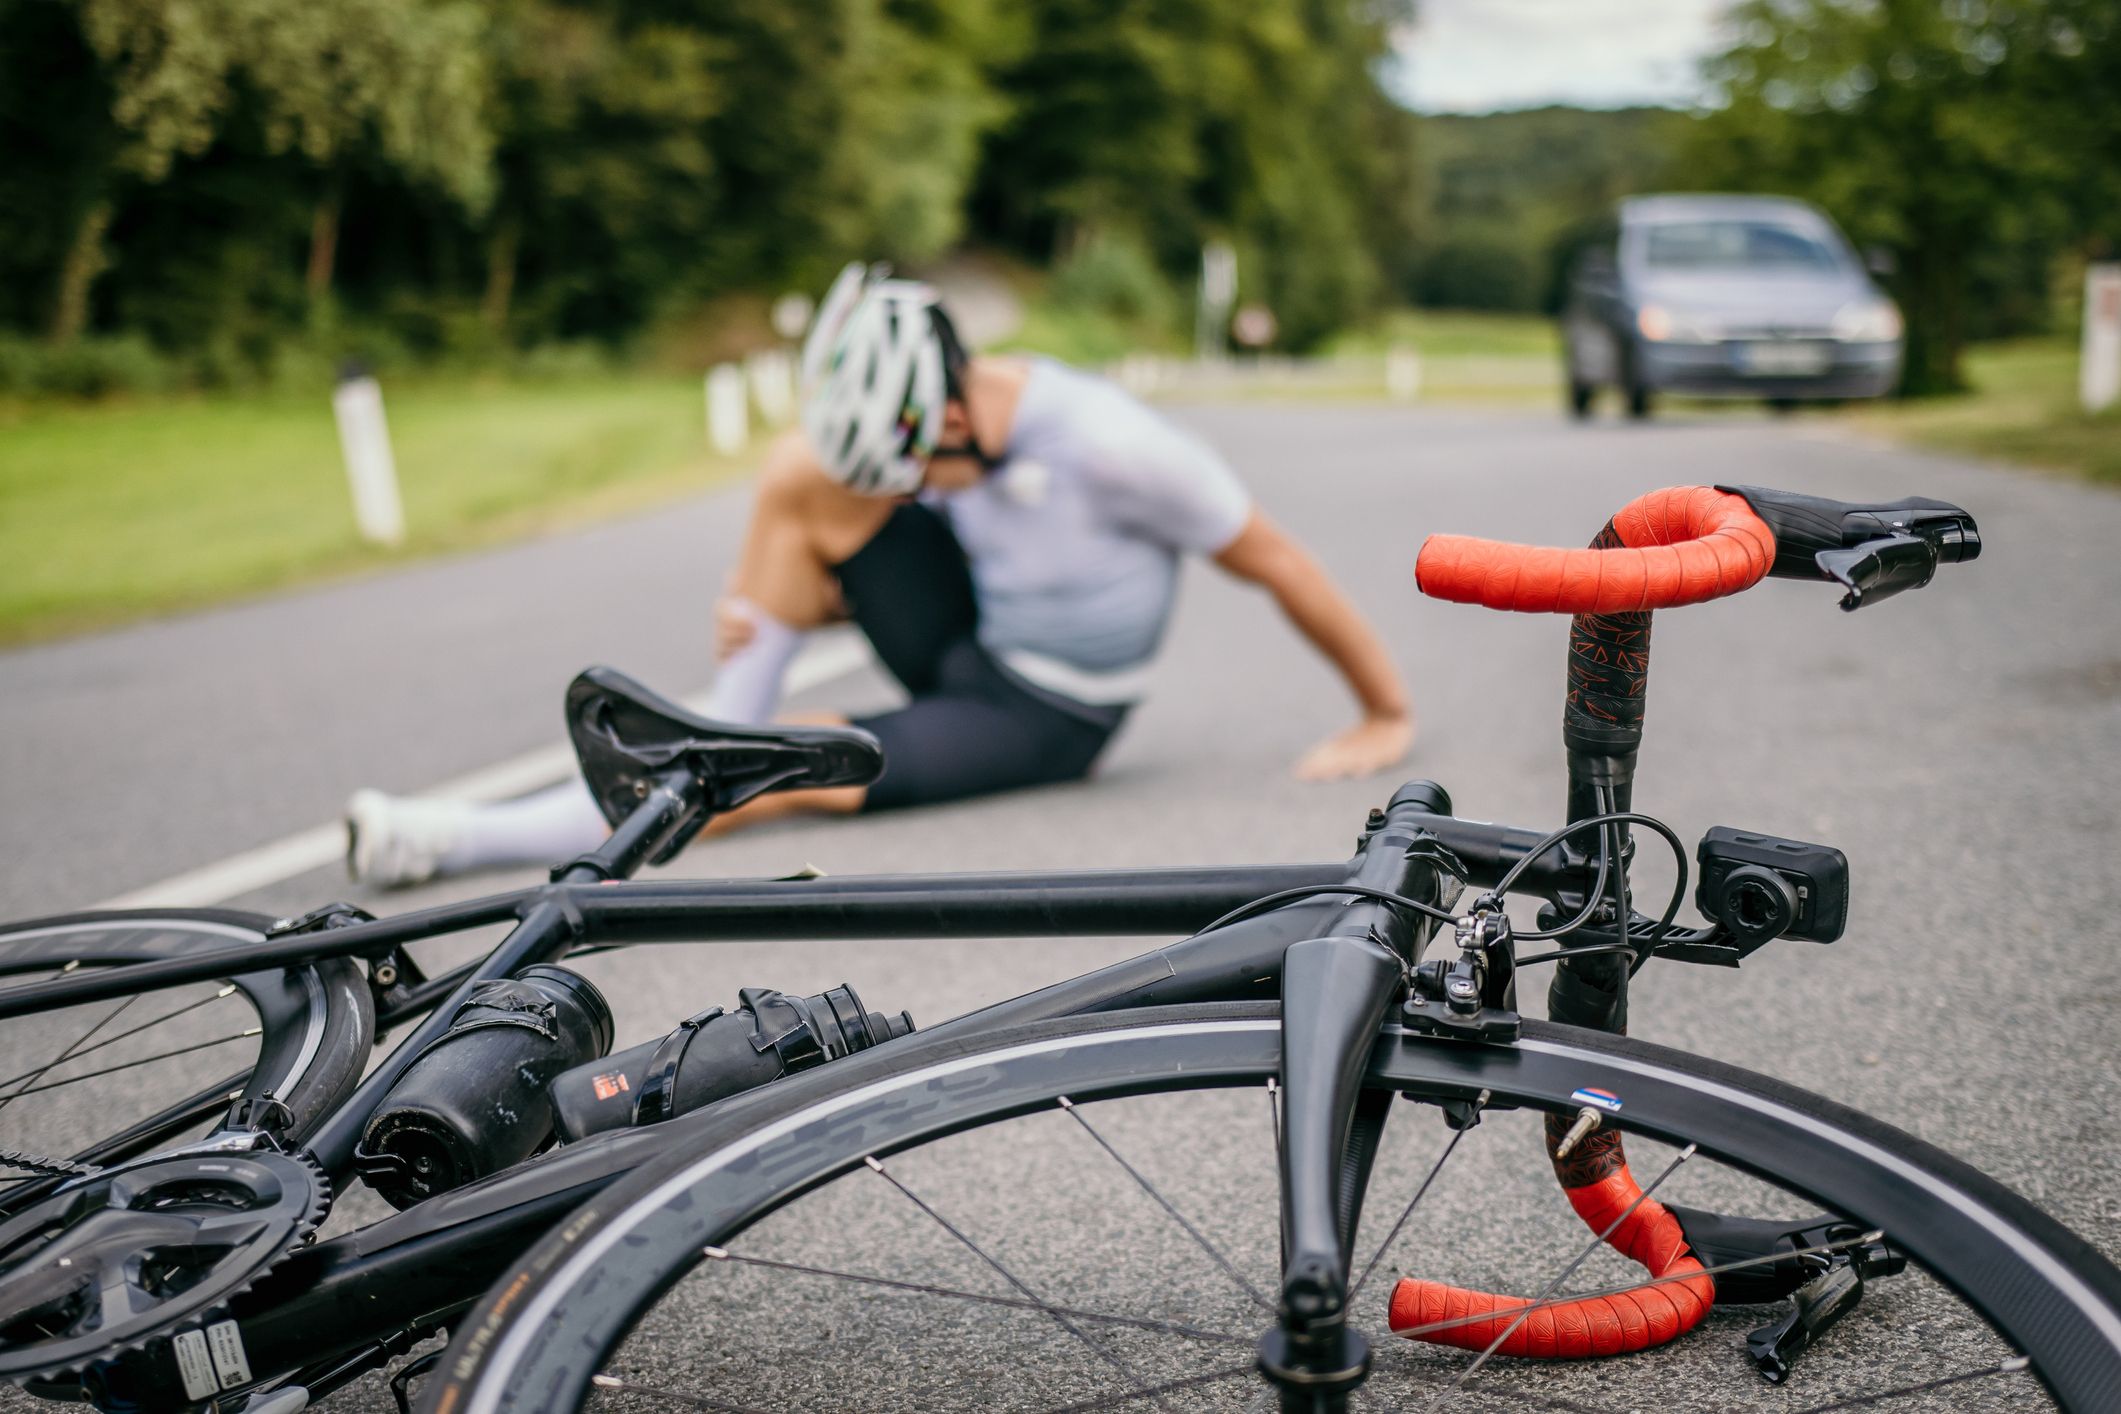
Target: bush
x,y
1113,275
85,368
1477,274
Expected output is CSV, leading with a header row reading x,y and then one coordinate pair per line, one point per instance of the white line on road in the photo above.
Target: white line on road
x,y
829,655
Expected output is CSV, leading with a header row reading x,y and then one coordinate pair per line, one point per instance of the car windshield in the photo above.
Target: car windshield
x,y
1729,244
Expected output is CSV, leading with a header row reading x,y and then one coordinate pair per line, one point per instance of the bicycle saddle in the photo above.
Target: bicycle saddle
x,y
624,735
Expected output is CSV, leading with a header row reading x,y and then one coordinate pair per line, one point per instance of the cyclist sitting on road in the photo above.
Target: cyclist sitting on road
x,y
1006,531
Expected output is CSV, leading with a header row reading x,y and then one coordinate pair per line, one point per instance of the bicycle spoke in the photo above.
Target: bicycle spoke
x,y
133,1064
1566,1272
696,1401
721,1254
1393,1235
134,1031
1149,1188
2015,1365
1065,1324
78,1042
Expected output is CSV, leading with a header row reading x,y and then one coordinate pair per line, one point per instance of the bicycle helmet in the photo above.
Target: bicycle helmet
x,y
878,364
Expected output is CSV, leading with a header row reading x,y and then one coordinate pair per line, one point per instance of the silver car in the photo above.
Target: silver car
x,y
1727,296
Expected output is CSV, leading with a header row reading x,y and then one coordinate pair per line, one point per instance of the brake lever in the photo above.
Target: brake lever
x,y
1879,569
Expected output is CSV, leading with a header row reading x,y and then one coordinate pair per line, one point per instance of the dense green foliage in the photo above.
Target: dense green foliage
x,y
1511,195
239,183
1977,140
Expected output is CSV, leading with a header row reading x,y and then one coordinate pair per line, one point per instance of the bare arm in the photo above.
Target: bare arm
x,y
1266,555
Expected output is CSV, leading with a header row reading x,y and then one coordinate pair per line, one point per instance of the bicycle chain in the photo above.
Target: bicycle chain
x,y
44,1166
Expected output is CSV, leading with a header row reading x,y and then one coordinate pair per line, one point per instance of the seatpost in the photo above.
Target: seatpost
x,y
669,804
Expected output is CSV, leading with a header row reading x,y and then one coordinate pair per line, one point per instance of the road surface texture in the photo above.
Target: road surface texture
x,y
1962,745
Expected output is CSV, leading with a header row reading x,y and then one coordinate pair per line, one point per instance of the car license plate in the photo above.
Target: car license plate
x,y
1784,359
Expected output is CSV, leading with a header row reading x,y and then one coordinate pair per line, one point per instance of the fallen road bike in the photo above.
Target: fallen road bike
x,y
1162,1184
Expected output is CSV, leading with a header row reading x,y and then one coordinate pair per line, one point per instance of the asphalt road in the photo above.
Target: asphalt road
x,y
1962,745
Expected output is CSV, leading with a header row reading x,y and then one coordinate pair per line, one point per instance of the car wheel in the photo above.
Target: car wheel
x,y
1580,396
1638,401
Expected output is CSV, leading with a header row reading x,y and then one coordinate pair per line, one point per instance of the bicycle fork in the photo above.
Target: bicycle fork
x,y
1336,991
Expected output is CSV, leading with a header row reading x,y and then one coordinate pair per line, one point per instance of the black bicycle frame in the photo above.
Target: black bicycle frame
x,y
1336,961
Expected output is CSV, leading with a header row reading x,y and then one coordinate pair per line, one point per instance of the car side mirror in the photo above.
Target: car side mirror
x,y
1880,261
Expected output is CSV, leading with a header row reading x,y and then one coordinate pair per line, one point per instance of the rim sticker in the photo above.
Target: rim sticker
x,y
1603,1099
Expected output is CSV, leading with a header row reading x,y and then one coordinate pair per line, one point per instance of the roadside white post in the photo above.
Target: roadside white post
x,y
1218,291
1402,373
771,374
726,429
371,471
2099,373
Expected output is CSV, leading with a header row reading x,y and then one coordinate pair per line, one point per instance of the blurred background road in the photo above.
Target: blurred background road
x,y
1959,744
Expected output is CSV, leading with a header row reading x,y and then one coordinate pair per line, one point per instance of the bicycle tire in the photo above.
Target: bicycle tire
x,y
545,1327
315,1022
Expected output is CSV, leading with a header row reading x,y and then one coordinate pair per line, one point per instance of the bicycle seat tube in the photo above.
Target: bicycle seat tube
x,y
548,928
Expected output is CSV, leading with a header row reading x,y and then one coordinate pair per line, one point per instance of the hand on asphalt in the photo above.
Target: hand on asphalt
x,y
733,626
1374,744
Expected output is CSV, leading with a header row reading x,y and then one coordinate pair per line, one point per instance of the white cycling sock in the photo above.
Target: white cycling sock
x,y
747,685
550,826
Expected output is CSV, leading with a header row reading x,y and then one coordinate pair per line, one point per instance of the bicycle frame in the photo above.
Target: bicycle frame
x,y
1336,963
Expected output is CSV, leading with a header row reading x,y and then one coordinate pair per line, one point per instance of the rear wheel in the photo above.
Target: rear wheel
x,y
102,1082
1082,1215
1581,396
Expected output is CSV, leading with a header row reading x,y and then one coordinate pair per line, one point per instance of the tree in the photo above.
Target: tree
x,y
1167,123
400,76
1946,133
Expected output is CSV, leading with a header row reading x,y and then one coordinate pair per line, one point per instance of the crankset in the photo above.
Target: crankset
x,y
141,1260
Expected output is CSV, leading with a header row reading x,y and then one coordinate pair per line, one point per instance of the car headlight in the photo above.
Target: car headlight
x,y
1868,321
1661,325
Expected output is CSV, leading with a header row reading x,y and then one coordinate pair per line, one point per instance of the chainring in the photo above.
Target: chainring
x,y
144,1253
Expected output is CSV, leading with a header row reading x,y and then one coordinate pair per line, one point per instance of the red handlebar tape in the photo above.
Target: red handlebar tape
x,y
1682,545
1593,1325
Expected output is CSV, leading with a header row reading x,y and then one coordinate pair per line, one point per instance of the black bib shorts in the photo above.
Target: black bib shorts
x,y
973,727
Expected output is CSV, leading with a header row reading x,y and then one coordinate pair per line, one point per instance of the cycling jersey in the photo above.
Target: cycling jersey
x,y
1074,539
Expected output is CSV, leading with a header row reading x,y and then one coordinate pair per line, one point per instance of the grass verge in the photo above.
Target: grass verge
x,y
2023,409
117,511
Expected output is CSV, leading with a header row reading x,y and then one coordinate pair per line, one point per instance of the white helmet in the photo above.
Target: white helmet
x,y
876,373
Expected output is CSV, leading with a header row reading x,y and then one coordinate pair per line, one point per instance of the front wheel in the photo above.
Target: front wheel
x,y
1081,1215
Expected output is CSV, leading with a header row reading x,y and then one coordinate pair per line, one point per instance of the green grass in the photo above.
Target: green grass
x,y
2023,409
115,511
1443,335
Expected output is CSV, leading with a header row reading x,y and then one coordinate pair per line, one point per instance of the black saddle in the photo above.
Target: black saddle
x,y
625,736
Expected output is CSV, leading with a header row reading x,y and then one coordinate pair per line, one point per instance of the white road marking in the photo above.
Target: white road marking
x,y
829,655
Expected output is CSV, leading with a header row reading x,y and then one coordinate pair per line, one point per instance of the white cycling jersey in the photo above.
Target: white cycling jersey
x,y
1074,539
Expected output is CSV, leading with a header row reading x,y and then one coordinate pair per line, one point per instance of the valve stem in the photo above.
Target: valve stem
x,y
1587,1119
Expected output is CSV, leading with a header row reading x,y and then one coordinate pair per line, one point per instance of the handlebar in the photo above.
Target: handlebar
x,y
1681,545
